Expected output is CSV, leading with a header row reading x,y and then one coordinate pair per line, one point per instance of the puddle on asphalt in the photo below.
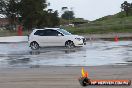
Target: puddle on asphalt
x,y
93,54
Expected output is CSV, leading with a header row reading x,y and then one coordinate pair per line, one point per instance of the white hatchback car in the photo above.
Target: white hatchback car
x,y
54,37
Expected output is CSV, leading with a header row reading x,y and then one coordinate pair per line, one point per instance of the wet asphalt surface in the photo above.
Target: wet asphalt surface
x,y
93,54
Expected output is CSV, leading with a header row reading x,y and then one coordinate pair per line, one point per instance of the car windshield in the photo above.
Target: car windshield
x,y
64,32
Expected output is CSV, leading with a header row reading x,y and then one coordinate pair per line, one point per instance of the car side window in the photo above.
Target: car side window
x,y
39,32
48,32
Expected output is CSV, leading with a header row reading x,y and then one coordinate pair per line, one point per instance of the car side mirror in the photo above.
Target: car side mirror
x,y
59,35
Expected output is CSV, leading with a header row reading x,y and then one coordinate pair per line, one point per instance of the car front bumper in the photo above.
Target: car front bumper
x,y
82,42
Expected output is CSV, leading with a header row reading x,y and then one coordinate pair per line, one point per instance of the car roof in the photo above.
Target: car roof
x,y
47,28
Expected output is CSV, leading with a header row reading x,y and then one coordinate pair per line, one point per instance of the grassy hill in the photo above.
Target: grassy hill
x,y
117,23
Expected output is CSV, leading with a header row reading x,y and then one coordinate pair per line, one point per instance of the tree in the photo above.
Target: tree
x,y
34,14
127,7
64,8
9,8
48,19
68,15
55,18
3,7
12,11
50,10
30,13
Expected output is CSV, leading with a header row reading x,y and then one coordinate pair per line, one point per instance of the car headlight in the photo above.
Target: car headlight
x,y
78,39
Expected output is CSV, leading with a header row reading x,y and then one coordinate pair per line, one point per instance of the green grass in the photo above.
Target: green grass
x,y
108,24
99,30
117,23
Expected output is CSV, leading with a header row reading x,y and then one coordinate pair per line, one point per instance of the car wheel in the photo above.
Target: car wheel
x,y
69,44
34,46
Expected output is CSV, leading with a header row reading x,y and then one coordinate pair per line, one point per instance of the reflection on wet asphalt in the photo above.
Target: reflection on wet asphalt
x,y
94,53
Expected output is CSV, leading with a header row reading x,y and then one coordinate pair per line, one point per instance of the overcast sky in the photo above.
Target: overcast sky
x,y
89,9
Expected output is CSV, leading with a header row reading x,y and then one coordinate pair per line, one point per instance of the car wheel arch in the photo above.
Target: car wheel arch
x,y
69,41
33,41
34,45
69,44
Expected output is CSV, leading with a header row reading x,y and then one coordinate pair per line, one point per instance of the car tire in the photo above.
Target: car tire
x,y
69,44
34,46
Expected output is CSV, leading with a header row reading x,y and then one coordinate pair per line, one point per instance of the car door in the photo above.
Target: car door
x,y
54,37
49,37
41,38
